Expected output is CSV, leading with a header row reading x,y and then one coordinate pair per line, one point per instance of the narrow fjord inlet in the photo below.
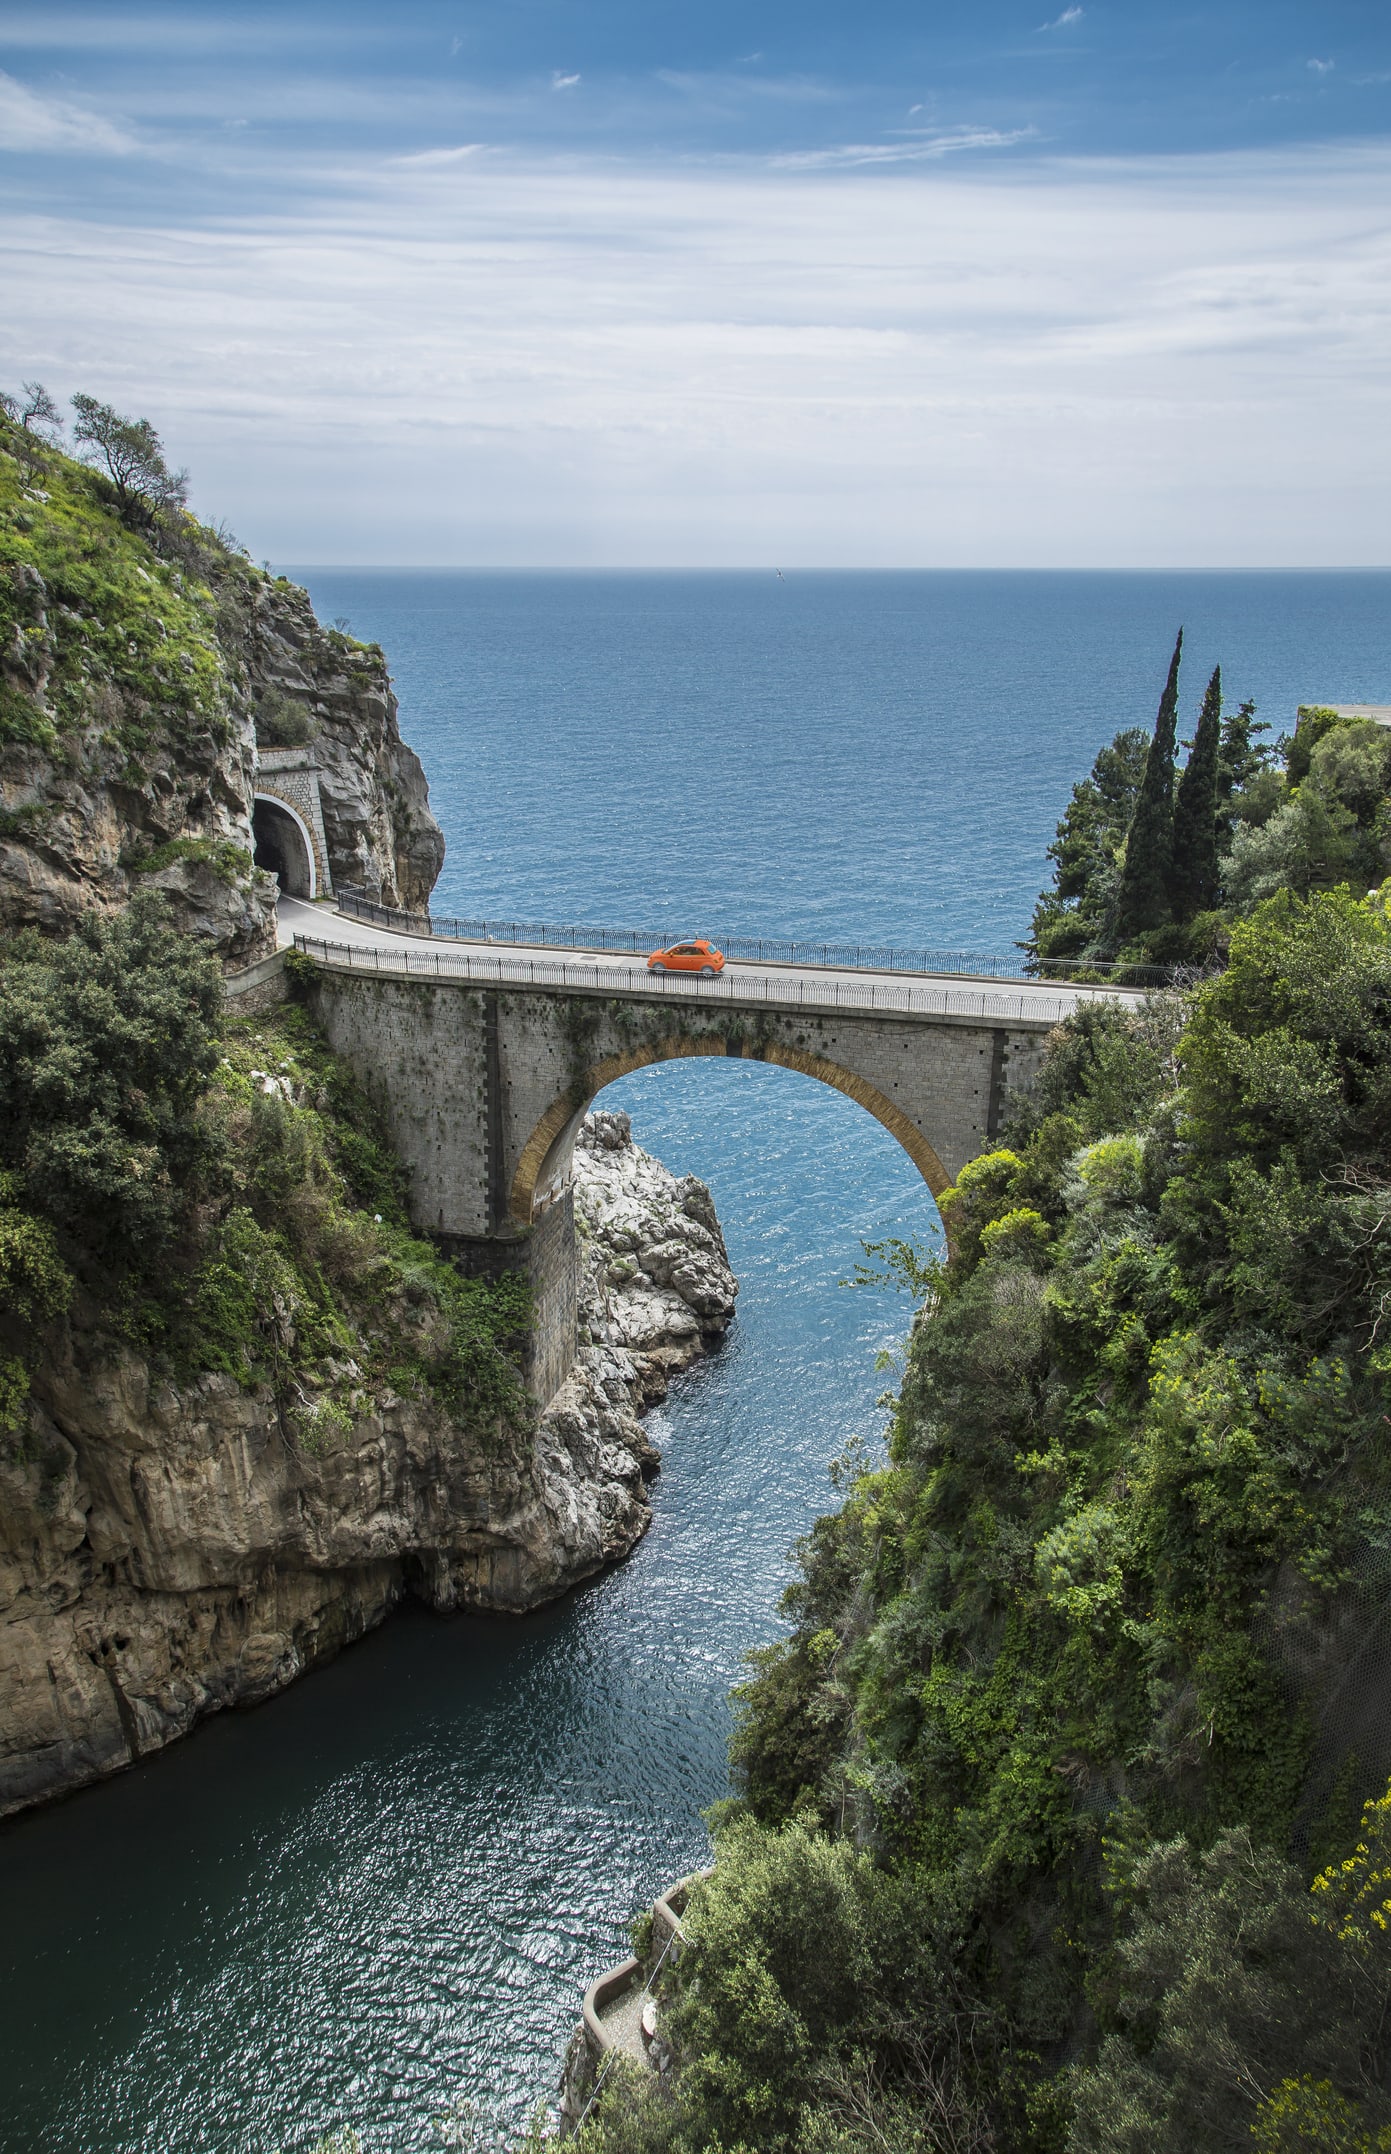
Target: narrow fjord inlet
x,y
380,1894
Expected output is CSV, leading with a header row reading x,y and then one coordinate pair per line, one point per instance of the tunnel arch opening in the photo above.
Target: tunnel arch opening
x,y
544,1166
283,846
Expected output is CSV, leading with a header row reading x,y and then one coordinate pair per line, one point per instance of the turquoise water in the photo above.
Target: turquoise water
x,y
383,1891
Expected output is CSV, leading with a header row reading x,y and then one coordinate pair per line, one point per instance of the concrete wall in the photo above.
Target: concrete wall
x,y
483,1089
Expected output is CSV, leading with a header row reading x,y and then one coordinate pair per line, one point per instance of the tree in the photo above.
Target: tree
x,y
1143,899
1223,1986
35,418
133,455
1240,761
1193,882
1070,919
38,413
107,1043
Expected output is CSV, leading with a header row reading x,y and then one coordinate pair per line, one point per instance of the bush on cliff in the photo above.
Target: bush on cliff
x,y
1077,1675
108,622
220,1189
107,1043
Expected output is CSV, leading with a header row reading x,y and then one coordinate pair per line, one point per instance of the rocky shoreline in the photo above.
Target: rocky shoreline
x,y
169,1550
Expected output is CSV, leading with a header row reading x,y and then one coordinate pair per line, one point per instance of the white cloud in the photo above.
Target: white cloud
x,y
563,82
1119,362
916,147
1321,67
455,156
1060,22
29,122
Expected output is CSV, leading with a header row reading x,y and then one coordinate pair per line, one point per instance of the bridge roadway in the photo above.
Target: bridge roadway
x,y
484,1058
826,987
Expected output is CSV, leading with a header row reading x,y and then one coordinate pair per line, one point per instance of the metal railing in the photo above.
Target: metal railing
x,y
757,950
1031,1004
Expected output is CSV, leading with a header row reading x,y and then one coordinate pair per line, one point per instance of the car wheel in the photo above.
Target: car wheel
x,y
707,972
656,968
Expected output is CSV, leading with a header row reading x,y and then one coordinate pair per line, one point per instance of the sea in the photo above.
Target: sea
x,y
373,1903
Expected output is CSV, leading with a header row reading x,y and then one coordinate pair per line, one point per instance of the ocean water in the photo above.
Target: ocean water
x,y
382,1893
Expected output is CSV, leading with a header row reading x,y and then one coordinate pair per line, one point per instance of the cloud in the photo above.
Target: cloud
x,y
563,82
1061,22
31,123
915,147
1119,361
1320,67
456,156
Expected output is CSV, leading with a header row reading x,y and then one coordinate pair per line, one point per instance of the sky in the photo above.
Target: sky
x,y
593,282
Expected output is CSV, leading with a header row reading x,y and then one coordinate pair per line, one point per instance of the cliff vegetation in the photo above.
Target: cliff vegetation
x,y
1061,1816
144,658
1152,864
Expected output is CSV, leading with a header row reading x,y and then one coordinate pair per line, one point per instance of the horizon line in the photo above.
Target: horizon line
x,y
906,568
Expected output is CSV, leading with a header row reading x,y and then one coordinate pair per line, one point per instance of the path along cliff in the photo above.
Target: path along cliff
x,y
243,1409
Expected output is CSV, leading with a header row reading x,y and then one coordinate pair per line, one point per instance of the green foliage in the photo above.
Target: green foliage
x,y
1243,831
1193,877
1142,902
110,632
224,1192
1313,723
896,1266
132,456
1219,1982
310,1265
1071,920
230,863
1127,1537
1310,2114
281,722
785,2042
1243,763
106,1045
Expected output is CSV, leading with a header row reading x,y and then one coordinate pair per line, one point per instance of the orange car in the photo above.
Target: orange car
x,y
687,957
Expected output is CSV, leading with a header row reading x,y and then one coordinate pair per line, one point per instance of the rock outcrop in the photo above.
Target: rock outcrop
x,y
381,835
166,1549
135,681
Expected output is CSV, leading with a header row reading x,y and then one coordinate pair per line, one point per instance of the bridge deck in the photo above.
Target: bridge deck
x,y
354,945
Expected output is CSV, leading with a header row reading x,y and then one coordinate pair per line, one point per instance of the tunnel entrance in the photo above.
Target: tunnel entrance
x,y
282,847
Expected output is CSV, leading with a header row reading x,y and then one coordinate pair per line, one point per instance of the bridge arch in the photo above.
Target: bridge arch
x,y
546,1153
285,845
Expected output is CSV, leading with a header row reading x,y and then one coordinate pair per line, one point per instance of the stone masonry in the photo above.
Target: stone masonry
x,y
484,1089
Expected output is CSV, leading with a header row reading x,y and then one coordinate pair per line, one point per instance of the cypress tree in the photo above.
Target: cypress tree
x,y
1142,902
1193,882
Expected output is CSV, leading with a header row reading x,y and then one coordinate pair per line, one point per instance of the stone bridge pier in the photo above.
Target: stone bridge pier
x,y
484,1088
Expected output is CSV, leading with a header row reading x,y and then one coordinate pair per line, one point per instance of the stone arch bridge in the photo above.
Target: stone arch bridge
x,y
485,1064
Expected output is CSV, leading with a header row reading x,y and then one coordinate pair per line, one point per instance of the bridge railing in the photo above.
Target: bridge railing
x,y
757,950
1031,1005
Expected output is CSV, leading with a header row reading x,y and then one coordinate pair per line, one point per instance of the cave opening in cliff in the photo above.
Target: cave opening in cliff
x,y
281,847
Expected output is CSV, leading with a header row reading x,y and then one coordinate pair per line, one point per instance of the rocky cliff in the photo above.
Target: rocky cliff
x,y
243,1410
168,1547
138,669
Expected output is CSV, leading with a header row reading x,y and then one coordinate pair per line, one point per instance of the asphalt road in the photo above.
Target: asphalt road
x,y
825,986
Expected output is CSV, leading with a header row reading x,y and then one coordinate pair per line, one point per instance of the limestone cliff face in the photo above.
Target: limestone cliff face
x,y
381,834
166,1550
134,679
